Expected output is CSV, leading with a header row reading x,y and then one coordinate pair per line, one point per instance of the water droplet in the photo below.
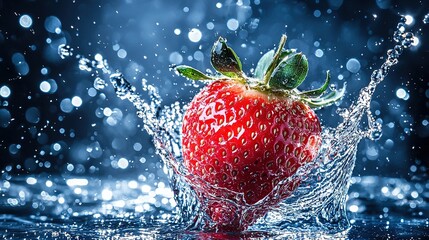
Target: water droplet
x,y
25,21
426,19
195,35
123,163
85,64
353,65
5,118
65,51
122,53
409,19
76,101
319,53
99,83
45,86
5,91
232,24
122,87
175,58
317,13
32,115
210,25
53,24
375,135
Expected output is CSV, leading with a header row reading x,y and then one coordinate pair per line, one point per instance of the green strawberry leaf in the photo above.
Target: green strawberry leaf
x,y
319,91
265,61
326,100
290,72
263,64
191,73
225,60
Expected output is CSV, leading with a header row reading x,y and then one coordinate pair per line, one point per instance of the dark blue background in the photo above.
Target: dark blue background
x,y
145,30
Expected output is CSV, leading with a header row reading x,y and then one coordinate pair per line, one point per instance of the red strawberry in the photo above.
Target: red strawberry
x,y
243,136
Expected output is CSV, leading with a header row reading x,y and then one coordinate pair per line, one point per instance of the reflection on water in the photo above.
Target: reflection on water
x,y
55,207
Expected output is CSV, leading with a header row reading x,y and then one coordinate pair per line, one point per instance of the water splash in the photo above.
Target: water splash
x,y
426,19
65,51
318,204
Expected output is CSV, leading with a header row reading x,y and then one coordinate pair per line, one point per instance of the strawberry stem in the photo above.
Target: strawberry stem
x,y
275,60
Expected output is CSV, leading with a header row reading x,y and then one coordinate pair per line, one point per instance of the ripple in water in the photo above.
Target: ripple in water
x,y
317,205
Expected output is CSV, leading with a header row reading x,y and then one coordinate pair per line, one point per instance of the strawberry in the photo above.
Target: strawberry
x,y
243,138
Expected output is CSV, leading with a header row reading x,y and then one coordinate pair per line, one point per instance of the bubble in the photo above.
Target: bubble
x,y
137,146
175,58
353,208
49,183
195,35
95,150
31,180
25,21
20,64
116,47
66,105
4,91
317,13
32,115
123,163
44,71
389,143
409,19
372,153
76,101
177,31
70,167
45,86
316,43
5,118
232,24
122,53
98,57
402,94
374,44
14,148
199,56
23,68
353,65
52,24
319,53
54,86
107,112
56,147
106,194
17,58
210,25
218,5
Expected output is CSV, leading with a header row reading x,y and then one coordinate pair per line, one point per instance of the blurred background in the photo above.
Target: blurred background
x,y
54,121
